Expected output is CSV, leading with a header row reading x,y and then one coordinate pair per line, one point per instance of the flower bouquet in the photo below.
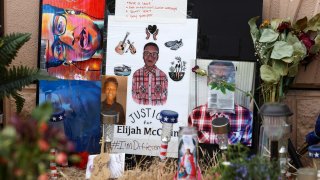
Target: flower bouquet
x,y
280,46
26,143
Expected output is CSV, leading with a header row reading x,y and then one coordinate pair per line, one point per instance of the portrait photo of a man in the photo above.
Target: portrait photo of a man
x,y
149,83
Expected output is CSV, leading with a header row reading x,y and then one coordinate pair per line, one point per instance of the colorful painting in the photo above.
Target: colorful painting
x,y
158,78
76,110
72,38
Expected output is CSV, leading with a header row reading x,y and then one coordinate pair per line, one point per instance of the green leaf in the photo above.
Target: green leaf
x,y
299,53
230,86
313,23
315,49
268,35
293,70
268,74
8,132
223,89
274,23
43,112
301,24
280,67
317,39
281,50
213,85
291,39
254,31
19,100
11,44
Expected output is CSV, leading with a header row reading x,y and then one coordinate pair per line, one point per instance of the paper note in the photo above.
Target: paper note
x,y
142,10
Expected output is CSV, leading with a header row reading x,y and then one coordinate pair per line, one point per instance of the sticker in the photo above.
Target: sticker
x,y
120,48
174,45
177,69
153,30
131,48
122,70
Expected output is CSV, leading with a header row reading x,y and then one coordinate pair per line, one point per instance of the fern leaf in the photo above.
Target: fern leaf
x,y
19,100
15,78
10,46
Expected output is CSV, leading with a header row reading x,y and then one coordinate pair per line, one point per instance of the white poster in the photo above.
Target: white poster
x,y
146,10
157,60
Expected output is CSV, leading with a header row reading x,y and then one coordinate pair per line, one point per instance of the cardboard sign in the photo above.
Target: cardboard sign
x,y
163,87
147,10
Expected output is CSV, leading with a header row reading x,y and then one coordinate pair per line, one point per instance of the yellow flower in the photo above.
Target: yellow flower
x,y
265,23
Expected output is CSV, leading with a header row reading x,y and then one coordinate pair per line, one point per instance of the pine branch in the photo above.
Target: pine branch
x,y
10,45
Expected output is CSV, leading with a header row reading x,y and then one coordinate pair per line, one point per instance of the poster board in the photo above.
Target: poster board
x,y
177,51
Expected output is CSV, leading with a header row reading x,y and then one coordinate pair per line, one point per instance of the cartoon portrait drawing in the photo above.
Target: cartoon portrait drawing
x,y
149,83
72,40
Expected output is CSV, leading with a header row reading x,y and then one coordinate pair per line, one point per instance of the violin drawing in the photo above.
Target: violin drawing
x,y
122,44
131,47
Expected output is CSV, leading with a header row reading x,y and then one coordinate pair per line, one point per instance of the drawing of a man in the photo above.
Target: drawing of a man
x,y
149,83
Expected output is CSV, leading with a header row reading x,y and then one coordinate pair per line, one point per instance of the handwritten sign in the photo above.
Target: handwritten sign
x,y
143,147
141,10
141,132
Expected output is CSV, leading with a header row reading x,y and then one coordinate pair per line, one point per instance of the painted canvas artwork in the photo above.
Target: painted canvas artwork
x,y
72,38
76,110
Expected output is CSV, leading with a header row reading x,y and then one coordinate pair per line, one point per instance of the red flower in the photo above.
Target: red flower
x,y
18,172
43,145
284,26
195,68
43,177
83,160
306,40
61,158
43,127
